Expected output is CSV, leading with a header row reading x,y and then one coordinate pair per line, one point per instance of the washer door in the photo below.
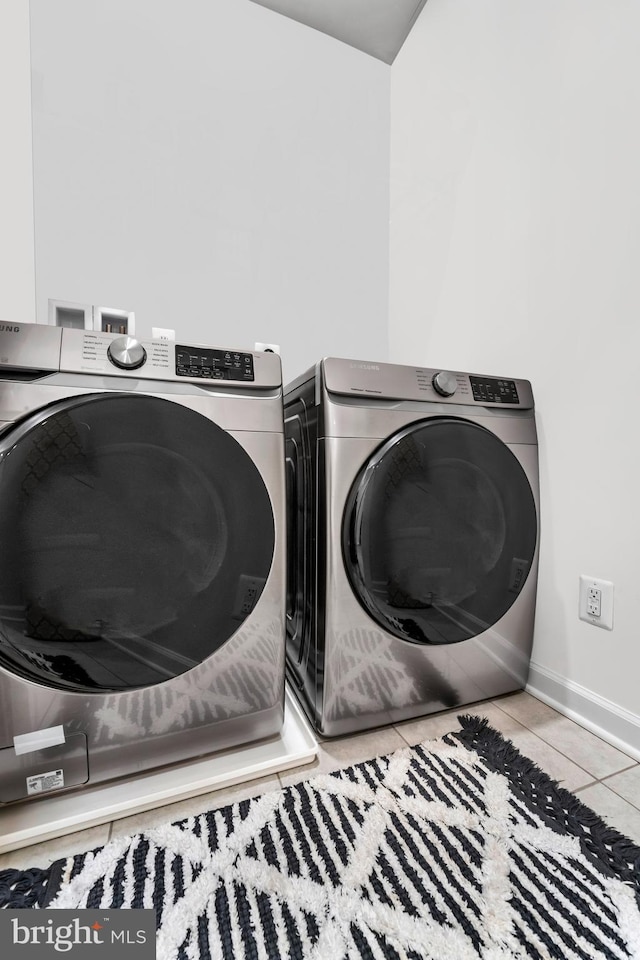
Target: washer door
x,y
439,532
137,535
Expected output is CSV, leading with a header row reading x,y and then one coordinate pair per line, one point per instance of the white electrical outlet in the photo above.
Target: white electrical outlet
x,y
596,602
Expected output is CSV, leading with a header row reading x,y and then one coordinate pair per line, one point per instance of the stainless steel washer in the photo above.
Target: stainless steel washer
x,y
142,572
413,506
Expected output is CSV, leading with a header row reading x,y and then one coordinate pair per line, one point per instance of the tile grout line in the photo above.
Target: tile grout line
x,y
616,773
561,752
574,723
626,800
585,786
400,734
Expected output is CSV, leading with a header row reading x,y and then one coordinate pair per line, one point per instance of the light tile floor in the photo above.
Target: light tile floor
x,y
603,777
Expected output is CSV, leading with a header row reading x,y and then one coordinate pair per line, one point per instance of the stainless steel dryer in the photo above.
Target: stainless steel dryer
x,y
413,540
142,571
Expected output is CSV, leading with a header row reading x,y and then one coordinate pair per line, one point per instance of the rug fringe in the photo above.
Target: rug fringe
x,y
20,889
554,803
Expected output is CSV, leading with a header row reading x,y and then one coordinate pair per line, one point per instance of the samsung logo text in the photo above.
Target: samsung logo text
x,y
9,328
364,366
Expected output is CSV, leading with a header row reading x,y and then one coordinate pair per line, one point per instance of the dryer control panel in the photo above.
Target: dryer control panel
x,y
490,390
391,381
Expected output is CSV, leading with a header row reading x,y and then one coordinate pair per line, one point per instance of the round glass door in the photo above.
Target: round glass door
x,y
137,536
439,532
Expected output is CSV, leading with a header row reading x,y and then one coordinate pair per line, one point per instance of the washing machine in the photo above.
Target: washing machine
x,y
413,507
142,571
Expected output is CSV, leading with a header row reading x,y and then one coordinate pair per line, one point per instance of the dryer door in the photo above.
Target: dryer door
x,y
439,532
137,536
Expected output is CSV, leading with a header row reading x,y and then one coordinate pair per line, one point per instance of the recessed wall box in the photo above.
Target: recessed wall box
x,y
66,313
110,320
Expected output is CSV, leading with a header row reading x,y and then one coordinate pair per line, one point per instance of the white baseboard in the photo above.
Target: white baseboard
x,y
606,719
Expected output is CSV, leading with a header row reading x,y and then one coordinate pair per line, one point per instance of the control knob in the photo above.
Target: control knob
x,y
445,383
126,353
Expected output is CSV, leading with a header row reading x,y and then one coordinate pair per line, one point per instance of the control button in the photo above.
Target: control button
x,y
445,383
126,353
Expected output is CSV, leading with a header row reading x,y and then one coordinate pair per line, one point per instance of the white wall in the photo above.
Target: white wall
x,y
224,171
17,268
515,245
215,167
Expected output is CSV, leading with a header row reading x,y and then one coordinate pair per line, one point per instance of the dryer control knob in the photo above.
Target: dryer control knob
x,y
445,383
126,353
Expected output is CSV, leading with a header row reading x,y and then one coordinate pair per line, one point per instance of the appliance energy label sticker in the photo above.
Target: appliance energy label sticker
x,y
42,782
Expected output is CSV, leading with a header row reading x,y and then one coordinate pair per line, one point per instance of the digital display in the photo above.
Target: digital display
x,y
213,364
488,390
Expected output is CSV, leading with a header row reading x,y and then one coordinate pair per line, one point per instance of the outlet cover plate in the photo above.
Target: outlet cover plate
x,y
163,333
267,347
605,620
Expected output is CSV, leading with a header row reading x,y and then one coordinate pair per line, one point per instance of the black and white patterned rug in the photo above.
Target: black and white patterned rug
x,y
456,849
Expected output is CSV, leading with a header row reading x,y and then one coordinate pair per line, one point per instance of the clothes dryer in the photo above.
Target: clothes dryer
x,y
413,540
142,571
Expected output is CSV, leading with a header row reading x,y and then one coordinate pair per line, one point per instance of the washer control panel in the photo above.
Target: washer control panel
x,y
208,364
106,354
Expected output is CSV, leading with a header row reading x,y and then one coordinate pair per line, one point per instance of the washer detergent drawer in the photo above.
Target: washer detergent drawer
x,y
43,771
